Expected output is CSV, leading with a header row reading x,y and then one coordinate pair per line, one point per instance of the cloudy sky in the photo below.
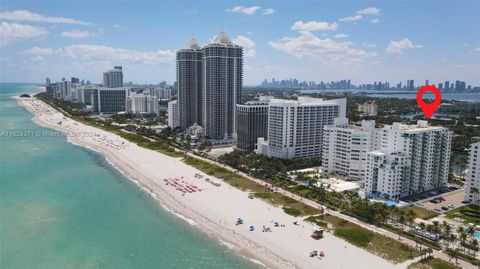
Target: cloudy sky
x,y
309,40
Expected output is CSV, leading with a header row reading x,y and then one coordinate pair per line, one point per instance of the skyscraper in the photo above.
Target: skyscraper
x,y
113,78
222,86
410,85
189,83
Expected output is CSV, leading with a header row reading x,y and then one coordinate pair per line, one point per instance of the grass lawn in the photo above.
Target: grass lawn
x,y
432,263
289,205
471,213
420,212
377,244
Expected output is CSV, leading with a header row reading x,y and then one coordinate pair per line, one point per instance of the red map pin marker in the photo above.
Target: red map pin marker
x,y
429,109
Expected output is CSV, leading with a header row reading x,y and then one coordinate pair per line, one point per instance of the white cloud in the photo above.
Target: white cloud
x,y
477,49
369,45
340,36
94,53
77,34
25,15
36,51
314,26
11,32
121,27
268,11
373,21
247,44
245,10
369,11
308,46
351,18
397,47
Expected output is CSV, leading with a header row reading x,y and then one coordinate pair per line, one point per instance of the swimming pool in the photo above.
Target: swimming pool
x,y
477,235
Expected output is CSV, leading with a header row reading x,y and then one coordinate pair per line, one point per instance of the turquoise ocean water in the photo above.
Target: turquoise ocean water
x,y
62,206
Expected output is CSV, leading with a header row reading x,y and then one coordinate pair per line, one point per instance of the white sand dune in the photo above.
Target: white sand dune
x,y
214,210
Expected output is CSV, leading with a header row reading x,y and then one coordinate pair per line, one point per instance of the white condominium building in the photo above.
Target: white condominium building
x,y
427,149
369,109
172,114
295,127
142,104
473,177
386,172
345,147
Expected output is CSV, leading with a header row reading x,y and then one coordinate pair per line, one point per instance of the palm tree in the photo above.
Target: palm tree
x,y
474,245
452,239
410,218
463,239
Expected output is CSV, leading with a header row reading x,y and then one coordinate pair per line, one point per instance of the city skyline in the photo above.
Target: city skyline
x,y
312,41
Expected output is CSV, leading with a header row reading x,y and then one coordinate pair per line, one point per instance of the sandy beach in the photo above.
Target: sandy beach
x,y
212,206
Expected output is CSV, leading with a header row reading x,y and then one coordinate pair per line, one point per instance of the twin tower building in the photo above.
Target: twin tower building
x,y
210,81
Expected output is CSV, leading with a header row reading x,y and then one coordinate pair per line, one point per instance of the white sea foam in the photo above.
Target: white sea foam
x,y
228,245
257,262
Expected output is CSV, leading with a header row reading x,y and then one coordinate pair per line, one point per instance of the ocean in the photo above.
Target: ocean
x,y
63,206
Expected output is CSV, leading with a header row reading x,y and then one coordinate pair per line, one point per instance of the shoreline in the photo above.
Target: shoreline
x,y
283,248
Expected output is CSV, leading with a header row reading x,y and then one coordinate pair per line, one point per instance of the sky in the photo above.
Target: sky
x,y
364,41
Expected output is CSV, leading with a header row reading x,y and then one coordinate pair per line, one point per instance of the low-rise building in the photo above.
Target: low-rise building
x,y
368,109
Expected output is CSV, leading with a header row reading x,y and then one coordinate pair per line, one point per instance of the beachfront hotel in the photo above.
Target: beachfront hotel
x,y
113,78
209,83
412,159
295,127
252,122
473,176
109,100
345,147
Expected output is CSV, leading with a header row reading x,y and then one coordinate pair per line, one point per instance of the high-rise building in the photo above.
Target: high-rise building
x,y
172,114
252,122
47,82
75,80
113,78
222,86
410,85
472,191
295,127
345,147
426,82
142,104
161,93
447,85
109,100
427,150
189,84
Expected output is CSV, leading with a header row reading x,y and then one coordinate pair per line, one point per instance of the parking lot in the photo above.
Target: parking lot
x,y
445,202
